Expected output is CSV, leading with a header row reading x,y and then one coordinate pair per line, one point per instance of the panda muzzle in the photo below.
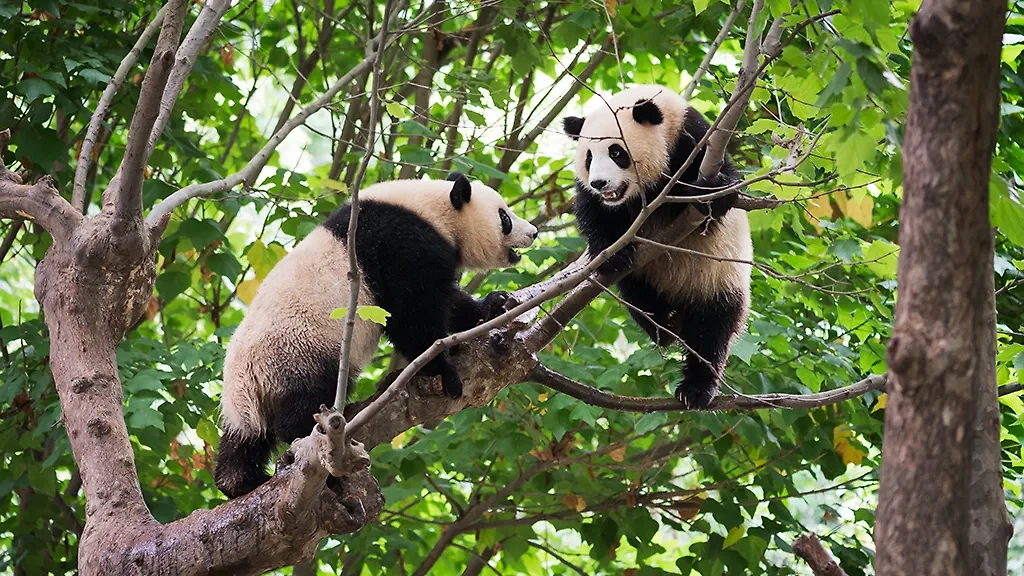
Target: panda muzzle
x,y
615,194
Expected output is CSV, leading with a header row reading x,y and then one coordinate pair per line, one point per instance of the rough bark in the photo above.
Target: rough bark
x,y
817,557
941,508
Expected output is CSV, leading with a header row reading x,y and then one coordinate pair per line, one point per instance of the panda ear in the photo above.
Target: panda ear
x,y
573,125
647,112
461,189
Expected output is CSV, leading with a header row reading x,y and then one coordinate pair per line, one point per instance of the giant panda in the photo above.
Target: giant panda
x,y
626,158
412,240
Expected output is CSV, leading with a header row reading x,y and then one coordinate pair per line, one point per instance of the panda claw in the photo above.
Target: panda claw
x,y
497,303
695,397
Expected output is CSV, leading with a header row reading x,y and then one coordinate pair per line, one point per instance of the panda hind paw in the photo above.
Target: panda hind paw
x,y
451,384
695,397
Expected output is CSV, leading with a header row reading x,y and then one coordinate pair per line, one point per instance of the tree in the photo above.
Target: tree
x,y
941,503
251,123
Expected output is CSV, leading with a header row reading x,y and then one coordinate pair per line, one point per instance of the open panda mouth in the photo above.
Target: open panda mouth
x,y
513,256
616,194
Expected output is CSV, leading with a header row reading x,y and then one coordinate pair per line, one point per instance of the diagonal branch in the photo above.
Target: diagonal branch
x,y
158,216
40,201
128,201
103,108
703,68
594,397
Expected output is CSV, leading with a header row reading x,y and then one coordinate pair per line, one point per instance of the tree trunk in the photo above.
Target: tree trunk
x,y
941,508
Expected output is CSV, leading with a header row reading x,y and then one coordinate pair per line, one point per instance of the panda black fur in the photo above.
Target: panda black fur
x,y
701,300
413,239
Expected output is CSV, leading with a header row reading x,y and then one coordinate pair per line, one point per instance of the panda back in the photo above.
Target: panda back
x,y
287,333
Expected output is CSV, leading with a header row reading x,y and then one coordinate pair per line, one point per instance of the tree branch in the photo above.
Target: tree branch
x,y
594,397
158,215
40,202
128,201
353,265
722,34
821,562
78,198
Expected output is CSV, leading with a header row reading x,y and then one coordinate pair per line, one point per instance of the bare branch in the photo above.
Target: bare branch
x,y
103,108
159,213
821,562
421,84
128,187
40,202
714,157
195,42
594,397
353,265
703,68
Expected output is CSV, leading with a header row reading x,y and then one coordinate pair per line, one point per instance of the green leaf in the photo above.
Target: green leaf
x,y
397,110
881,258
650,422
201,233
171,283
835,85
700,5
146,417
33,88
225,265
339,313
374,314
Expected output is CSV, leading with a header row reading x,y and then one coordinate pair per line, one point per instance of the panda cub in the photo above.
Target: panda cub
x,y
625,157
413,239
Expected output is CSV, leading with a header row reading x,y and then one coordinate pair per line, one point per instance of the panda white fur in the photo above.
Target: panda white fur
x,y
630,155
413,239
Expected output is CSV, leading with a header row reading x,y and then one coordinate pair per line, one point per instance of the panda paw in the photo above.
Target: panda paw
x,y
495,304
695,397
451,383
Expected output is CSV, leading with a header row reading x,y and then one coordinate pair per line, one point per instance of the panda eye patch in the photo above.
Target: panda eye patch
x,y
619,156
590,157
506,222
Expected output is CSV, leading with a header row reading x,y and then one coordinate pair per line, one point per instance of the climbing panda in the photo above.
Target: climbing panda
x,y
626,158
413,239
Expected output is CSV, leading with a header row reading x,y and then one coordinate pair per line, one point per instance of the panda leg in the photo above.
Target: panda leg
x,y
647,308
413,331
467,312
242,462
707,328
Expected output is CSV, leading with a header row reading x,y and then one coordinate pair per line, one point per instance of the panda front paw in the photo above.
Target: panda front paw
x,y
696,397
495,304
451,383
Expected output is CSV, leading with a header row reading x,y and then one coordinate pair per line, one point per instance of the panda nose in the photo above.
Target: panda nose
x,y
598,184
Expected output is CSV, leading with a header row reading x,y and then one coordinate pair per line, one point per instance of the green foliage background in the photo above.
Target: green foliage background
x,y
563,484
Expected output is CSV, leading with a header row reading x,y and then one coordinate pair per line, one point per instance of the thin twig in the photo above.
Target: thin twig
x,y
703,68
353,268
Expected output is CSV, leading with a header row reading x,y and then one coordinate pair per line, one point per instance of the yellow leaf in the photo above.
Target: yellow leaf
x,y
542,397
858,208
398,441
881,402
618,455
612,6
816,209
734,536
849,453
247,290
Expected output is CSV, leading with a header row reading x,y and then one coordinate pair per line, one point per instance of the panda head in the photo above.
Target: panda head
x,y
484,228
624,144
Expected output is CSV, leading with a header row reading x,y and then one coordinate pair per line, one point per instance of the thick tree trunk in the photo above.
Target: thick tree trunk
x,y
941,508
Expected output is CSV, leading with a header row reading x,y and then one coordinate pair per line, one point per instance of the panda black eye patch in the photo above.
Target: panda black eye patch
x,y
619,156
506,222
589,158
